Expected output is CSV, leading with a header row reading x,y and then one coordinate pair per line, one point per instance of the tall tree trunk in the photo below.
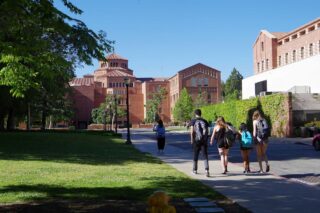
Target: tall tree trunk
x,y
10,120
29,117
43,119
50,122
2,115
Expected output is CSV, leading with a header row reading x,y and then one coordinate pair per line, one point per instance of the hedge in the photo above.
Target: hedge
x,y
276,109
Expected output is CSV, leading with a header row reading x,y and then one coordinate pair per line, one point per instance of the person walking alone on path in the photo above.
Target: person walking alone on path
x,y
260,135
219,132
246,143
161,135
199,141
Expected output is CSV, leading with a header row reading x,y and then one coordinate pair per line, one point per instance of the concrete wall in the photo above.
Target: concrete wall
x,y
302,73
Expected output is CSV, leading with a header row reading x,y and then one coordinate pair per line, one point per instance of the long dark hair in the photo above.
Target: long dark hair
x,y
160,123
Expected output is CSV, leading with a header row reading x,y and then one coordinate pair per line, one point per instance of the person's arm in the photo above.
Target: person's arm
x,y
254,133
212,136
191,134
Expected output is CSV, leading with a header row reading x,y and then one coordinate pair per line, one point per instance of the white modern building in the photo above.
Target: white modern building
x,y
285,62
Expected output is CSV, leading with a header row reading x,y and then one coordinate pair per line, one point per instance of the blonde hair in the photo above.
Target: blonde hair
x,y
256,115
221,122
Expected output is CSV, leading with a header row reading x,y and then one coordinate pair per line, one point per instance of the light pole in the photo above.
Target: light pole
x,y
116,113
127,82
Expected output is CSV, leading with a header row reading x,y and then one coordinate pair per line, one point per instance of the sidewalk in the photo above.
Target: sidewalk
x,y
256,192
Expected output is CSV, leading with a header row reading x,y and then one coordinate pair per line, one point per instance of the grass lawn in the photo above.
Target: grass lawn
x,y
37,166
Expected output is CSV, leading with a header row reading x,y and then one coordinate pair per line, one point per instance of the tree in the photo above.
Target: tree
x,y
37,40
233,86
183,108
153,105
40,46
107,109
201,99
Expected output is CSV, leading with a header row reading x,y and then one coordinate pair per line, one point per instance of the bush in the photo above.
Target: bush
x,y
274,107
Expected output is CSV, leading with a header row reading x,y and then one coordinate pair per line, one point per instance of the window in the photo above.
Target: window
x,y
209,98
262,65
287,58
311,28
258,67
193,82
200,82
279,62
294,36
302,33
286,40
311,49
302,53
262,46
280,43
205,82
110,84
267,64
294,55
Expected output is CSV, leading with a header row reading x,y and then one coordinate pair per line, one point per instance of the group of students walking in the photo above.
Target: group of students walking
x,y
223,135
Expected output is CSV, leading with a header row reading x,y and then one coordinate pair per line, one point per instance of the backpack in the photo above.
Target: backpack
x,y
246,139
263,131
201,131
161,132
229,137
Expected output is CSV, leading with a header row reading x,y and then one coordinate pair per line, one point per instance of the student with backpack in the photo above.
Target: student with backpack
x,y
260,134
199,140
224,136
246,144
161,135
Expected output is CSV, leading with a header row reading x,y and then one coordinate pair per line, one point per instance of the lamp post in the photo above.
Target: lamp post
x,y
115,114
127,82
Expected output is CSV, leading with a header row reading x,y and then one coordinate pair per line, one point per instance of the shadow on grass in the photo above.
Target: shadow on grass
x,y
94,148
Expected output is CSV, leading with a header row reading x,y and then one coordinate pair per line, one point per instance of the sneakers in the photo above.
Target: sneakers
x,y
194,172
207,173
268,168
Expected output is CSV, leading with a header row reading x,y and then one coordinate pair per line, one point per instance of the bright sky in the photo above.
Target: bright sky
x,y
162,37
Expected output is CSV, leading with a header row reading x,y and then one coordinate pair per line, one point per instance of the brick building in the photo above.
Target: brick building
x,y
90,91
285,61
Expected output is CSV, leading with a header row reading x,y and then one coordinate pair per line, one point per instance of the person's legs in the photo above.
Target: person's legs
x,y
248,159
159,144
226,153
221,153
243,154
264,155
162,143
196,150
205,158
259,155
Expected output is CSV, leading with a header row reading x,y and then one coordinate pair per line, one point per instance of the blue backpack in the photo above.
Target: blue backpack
x,y
161,132
246,139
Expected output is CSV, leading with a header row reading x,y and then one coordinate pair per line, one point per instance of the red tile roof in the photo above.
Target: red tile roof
x,y
81,82
115,56
118,73
278,34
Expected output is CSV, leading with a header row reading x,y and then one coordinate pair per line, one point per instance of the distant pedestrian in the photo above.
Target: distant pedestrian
x,y
199,140
260,135
246,143
161,135
219,135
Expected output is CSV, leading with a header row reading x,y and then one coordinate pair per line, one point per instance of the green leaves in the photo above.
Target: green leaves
x,y
183,108
233,86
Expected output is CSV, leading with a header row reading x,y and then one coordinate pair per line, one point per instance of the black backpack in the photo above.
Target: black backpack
x,y
263,130
201,131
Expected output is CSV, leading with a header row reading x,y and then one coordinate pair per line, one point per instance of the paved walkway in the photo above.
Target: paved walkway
x,y
256,192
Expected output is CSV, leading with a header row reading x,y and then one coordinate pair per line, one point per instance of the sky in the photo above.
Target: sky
x,y
162,37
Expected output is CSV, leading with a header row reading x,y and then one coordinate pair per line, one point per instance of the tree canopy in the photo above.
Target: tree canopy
x,y
37,41
233,86
40,47
183,108
153,105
